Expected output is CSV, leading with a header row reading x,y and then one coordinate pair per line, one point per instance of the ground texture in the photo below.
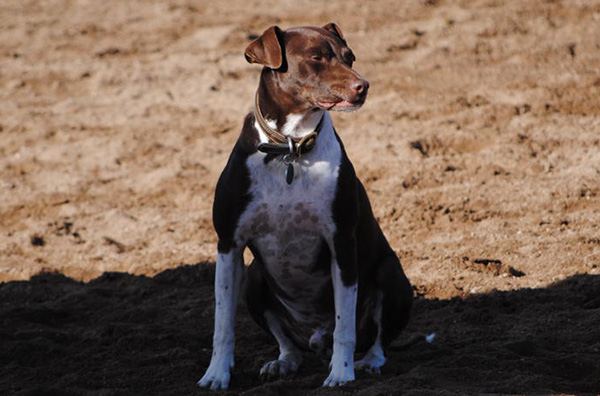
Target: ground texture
x,y
479,146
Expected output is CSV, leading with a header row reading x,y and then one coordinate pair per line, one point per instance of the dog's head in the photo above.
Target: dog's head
x,y
313,64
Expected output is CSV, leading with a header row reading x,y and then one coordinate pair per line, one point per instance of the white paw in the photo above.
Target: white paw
x,y
278,368
371,364
217,374
340,374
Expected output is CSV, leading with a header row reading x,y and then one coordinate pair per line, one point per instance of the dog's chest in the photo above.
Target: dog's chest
x,y
288,224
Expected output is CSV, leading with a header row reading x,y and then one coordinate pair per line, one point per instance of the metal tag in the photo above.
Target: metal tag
x,y
289,173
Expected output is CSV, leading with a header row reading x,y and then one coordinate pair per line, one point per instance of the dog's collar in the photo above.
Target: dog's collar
x,y
279,144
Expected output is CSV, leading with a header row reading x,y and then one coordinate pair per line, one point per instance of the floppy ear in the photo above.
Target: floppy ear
x,y
266,50
335,29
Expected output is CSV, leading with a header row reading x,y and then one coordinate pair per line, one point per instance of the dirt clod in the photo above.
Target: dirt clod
x,y
37,240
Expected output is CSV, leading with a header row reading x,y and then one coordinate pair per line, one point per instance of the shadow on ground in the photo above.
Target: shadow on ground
x,y
133,335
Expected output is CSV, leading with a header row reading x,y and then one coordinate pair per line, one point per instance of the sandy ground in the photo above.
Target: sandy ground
x,y
479,146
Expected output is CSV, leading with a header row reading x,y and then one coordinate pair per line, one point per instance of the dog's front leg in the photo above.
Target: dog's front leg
x,y
227,288
344,335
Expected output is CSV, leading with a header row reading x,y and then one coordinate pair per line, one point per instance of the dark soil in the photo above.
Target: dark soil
x,y
134,335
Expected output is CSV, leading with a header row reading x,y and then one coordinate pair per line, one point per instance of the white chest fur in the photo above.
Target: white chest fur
x,y
288,223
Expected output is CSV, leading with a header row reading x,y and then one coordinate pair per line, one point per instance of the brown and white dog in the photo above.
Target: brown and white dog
x,y
324,276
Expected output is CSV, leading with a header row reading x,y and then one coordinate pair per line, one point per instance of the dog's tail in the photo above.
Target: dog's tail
x,y
414,340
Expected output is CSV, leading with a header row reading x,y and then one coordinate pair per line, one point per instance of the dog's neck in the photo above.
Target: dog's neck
x,y
300,125
285,114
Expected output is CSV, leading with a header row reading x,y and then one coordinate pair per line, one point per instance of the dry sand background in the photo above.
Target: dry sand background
x,y
479,146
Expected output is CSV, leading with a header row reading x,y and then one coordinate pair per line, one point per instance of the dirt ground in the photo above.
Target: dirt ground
x,y
479,146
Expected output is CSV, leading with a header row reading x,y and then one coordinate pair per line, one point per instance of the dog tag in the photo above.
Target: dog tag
x,y
289,173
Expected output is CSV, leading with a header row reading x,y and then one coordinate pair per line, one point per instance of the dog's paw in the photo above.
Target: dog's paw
x,y
340,374
217,374
279,368
371,363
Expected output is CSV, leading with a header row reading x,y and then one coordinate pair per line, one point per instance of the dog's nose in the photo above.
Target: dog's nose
x,y
360,86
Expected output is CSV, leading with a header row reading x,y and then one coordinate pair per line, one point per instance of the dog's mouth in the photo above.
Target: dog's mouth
x,y
341,104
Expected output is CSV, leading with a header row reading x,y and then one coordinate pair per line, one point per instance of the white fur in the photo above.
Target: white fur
x,y
227,287
287,222
344,336
298,125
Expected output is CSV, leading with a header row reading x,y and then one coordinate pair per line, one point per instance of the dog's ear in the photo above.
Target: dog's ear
x,y
267,49
335,29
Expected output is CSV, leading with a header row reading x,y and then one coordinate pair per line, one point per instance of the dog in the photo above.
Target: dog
x,y
324,277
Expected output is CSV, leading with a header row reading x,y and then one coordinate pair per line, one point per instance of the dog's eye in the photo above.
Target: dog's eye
x,y
317,58
350,59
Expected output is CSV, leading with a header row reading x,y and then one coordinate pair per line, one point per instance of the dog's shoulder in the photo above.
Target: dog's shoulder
x,y
232,192
348,188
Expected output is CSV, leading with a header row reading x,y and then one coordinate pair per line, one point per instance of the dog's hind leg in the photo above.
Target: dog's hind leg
x,y
259,301
391,312
397,301
374,359
290,356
